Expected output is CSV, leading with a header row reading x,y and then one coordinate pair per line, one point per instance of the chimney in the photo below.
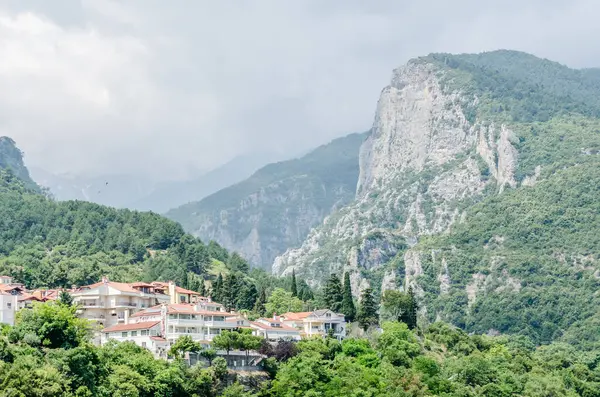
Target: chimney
x,y
105,279
275,316
172,293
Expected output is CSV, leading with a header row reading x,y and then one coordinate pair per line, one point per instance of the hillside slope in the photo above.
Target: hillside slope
x,y
515,133
277,206
45,243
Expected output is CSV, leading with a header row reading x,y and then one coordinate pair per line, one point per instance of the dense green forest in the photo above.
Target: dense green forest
x,y
45,243
48,353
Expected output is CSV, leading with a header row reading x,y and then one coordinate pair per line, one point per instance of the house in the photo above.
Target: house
x,y
6,280
15,289
274,329
317,323
110,303
146,334
177,294
8,308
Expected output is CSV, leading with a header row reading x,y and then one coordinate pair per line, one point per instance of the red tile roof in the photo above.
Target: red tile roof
x,y
158,338
128,327
291,316
184,308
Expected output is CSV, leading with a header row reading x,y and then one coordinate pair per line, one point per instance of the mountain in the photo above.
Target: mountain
x,y
277,206
11,158
47,243
478,186
169,195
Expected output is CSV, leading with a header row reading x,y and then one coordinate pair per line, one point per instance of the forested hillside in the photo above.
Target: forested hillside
x,y
44,243
277,206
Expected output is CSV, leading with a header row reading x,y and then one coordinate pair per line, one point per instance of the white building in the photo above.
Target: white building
x,y
171,321
110,303
8,308
273,329
317,323
145,334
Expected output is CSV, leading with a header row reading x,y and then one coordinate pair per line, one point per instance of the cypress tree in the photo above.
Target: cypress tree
x,y
294,288
333,293
230,292
348,308
218,289
201,287
413,307
367,314
259,306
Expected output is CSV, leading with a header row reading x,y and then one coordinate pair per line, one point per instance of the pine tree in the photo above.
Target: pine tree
x,y
294,288
348,308
411,319
65,298
218,289
333,293
367,314
259,306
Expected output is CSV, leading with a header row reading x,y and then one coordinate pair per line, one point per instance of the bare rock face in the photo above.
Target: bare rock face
x,y
420,160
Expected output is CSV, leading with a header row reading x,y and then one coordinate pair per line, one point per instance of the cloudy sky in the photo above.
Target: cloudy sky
x,y
164,87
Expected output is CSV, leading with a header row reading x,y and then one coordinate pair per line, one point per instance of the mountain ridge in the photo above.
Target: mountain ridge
x,y
278,204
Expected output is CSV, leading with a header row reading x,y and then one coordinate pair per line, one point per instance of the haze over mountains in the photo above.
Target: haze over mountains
x,y
146,194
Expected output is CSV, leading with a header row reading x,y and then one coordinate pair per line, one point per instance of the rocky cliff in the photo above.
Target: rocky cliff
x,y
451,132
277,206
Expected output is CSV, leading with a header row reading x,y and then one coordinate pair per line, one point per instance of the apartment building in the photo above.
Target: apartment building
x,y
274,329
146,334
316,323
110,303
181,319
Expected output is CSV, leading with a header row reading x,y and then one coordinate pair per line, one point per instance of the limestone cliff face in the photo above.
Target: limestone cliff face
x,y
421,162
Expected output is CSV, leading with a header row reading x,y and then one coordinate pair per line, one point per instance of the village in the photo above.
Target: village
x,y
155,315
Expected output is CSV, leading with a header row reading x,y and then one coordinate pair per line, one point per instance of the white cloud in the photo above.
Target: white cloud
x,y
155,87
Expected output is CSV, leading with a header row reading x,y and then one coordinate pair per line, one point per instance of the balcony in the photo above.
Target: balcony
x,y
125,304
90,304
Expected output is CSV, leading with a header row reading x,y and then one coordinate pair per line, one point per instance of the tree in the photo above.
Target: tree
x,y
348,308
395,305
247,296
230,292
237,264
184,344
65,298
304,291
294,287
218,289
227,340
333,293
248,342
259,306
367,314
56,325
413,308
209,355
201,287
282,301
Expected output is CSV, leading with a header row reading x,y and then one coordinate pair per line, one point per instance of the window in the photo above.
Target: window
x,y
143,344
9,305
133,333
144,332
182,298
184,316
173,316
124,334
218,318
